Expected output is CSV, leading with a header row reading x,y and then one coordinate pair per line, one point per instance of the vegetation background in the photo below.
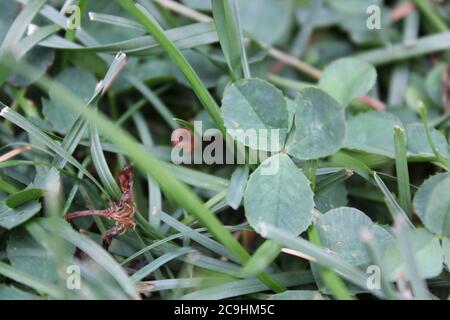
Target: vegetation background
x,y
360,205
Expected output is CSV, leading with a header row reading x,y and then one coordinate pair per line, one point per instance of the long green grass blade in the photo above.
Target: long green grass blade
x,y
157,263
228,35
196,236
318,254
152,26
401,164
398,52
392,204
261,259
154,191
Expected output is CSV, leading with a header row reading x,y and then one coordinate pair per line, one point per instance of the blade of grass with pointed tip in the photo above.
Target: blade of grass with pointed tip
x,y
29,42
23,123
196,236
114,20
98,158
154,191
228,35
423,113
393,206
77,130
186,37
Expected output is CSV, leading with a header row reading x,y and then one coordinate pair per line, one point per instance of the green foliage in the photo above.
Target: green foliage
x,y
253,104
432,203
427,253
12,217
372,132
298,295
283,199
335,234
347,79
341,131
28,255
319,126
82,82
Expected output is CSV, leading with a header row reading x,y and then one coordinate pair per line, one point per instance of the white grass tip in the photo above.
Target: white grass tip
x,y
120,56
399,128
4,111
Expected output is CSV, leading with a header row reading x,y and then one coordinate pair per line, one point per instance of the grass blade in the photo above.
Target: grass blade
x,y
228,33
398,52
37,36
30,281
101,166
428,10
247,286
23,123
196,236
318,254
393,206
154,191
244,60
165,113
20,24
93,250
401,165
261,259
157,263
152,26
16,31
